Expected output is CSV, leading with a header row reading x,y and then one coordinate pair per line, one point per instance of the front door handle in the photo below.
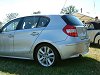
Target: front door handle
x,y
10,35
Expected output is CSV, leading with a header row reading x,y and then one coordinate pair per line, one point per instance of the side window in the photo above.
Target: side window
x,y
90,26
97,26
43,22
11,25
93,26
30,22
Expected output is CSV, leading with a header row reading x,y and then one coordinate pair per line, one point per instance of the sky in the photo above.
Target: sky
x,y
27,7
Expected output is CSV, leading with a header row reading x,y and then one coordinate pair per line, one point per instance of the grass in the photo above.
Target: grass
x,y
87,65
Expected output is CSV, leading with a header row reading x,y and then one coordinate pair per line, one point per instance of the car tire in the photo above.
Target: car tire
x,y
80,56
46,55
98,42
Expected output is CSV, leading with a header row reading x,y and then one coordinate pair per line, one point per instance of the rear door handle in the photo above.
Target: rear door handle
x,y
35,33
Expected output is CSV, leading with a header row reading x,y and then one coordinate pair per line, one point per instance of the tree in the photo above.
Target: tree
x,y
11,16
0,25
71,10
37,12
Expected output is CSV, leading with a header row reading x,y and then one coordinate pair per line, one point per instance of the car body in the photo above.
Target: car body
x,y
44,38
94,32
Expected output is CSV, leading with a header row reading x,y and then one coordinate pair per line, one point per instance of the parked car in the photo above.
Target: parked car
x,y
94,32
44,38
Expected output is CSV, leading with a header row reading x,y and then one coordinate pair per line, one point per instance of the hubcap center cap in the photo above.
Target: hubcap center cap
x,y
45,55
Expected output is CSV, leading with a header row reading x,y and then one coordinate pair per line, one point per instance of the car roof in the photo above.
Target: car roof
x,y
44,15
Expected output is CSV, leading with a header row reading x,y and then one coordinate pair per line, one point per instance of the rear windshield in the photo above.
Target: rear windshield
x,y
72,20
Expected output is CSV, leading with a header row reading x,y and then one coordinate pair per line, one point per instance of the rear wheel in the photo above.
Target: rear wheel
x,y
46,55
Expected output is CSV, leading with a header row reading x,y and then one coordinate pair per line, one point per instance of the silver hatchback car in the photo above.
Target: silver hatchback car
x,y
44,38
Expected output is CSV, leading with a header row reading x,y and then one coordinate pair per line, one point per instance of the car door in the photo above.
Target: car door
x,y
25,38
90,31
7,38
93,29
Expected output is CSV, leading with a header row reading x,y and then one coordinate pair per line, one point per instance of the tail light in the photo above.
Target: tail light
x,y
70,30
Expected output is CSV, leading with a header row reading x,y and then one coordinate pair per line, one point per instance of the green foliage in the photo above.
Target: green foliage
x,y
87,65
71,10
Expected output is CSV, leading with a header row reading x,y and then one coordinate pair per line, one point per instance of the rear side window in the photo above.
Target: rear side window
x,y
90,26
72,20
43,22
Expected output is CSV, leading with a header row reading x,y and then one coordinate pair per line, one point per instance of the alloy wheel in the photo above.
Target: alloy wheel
x,y
45,56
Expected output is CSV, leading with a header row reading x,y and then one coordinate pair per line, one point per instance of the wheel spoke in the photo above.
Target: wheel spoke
x,y
48,49
45,49
50,62
40,54
51,57
41,51
47,62
51,54
41,58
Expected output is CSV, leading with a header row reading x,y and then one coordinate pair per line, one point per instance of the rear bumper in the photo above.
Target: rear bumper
x,y
73,50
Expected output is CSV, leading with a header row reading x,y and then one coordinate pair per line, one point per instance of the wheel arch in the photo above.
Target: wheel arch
x,y
46,43
97,37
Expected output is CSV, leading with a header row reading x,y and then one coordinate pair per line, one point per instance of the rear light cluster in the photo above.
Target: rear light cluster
x,y
70,30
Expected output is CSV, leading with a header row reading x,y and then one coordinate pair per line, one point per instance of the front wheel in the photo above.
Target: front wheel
x,y
46,55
